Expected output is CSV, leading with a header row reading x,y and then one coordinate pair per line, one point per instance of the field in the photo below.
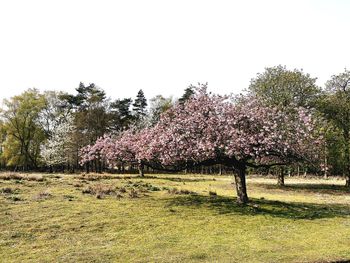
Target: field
x,y
171,218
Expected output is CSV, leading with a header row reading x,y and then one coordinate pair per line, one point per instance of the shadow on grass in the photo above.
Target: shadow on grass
x,y
293,210
311,188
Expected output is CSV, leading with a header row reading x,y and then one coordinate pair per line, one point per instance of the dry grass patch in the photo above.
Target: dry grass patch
x,y
175,191
18,176
42,195
99,190
131,189
7,190
95,176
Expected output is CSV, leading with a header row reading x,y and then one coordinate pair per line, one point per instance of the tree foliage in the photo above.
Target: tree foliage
x,y
335,106
139,105
210,129
24,133
159,105
56,150
284,88
189,92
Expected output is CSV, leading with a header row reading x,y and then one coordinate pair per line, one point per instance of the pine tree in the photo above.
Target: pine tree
x,y
189,91
140,104
121,114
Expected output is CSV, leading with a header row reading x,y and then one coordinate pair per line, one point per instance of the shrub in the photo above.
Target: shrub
x,y
175,191
42,195
14,198
17,176
100,190
122,189
77,184
7,190
94,177
143,187
118,195
10,176
133,193
212,193
38,178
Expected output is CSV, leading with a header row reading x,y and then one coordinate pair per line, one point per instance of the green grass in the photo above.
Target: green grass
x,y
147,220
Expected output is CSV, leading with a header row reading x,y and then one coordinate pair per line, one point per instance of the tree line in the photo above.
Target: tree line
x,y
47,130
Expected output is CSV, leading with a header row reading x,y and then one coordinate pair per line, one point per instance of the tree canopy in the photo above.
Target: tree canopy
x,y
211,129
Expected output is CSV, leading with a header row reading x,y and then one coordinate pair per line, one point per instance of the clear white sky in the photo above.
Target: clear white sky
x,y
163,46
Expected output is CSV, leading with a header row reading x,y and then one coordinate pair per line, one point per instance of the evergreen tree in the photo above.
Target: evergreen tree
x,y
90,109
189,91
121,114
139,106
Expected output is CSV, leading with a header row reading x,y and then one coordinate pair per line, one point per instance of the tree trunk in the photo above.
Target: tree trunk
x,y
280,177
87,167
325,175
99,166
141,169
298,169
347,158
347,182
241,187
305,172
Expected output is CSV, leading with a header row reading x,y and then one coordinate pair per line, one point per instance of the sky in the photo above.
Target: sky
x,y
164,46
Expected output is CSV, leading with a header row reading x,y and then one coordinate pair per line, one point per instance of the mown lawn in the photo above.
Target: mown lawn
x,y
110,218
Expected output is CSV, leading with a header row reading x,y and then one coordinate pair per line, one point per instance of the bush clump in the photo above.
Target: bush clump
x,y
94,177
42,195
212,193
133,193
176,191
19,177
142,186
7,190
100,190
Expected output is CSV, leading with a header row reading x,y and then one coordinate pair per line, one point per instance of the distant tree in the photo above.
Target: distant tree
x,y
91,112
335,106
56,150
189,92
24,133
53,112
287,90
283,88
334,149
121,114
2,140
139,105
158,105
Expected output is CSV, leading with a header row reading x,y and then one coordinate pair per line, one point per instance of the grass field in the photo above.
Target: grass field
x,y
171,218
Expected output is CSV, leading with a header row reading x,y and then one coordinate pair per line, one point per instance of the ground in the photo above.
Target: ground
x,y
171,218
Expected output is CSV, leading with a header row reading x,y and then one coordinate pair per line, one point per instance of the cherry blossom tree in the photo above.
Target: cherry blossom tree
x,y
114,150
211,129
